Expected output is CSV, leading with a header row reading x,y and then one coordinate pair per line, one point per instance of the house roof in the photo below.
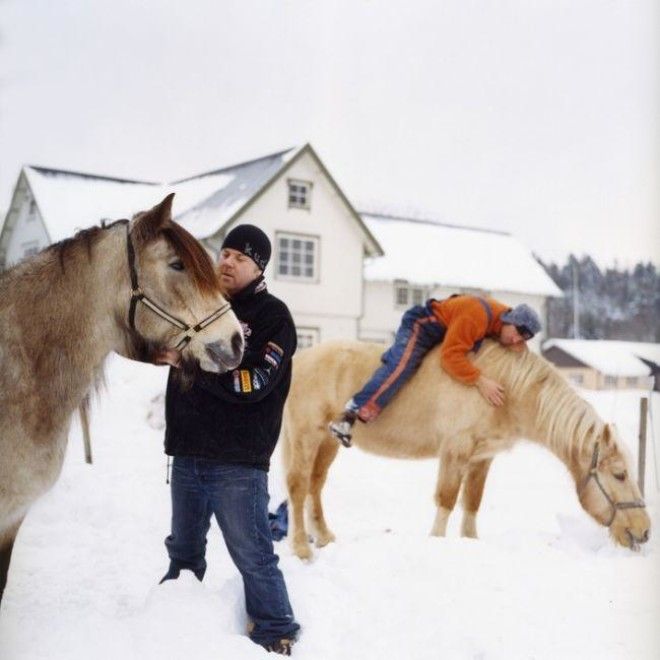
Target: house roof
x,y
429,252
204,204
610,357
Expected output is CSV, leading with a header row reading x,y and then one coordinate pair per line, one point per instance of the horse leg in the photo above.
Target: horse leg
x,y
324,457
450,475
299,462
473,490
6,546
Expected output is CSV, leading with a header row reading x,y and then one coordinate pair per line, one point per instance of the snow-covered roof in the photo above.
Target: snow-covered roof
x,y
610,357
69,201
230,189
427,252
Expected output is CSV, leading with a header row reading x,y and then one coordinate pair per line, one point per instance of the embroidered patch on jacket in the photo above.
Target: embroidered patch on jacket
x,y
259,378
237,380
246,381
273,354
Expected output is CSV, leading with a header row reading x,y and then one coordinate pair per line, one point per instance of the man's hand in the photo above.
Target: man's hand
x,y
491,390
168,356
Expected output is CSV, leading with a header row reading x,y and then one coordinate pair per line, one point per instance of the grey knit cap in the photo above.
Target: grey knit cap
x,y
523,317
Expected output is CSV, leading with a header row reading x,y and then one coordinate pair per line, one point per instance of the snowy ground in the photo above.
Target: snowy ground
x,y
543,581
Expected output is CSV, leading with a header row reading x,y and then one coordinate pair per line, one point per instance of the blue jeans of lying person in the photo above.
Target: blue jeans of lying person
x,y
238,497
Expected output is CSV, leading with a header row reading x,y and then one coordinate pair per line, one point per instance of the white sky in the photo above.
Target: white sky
x,y
534,117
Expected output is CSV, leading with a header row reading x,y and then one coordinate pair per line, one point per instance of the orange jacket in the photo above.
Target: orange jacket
x,y
467,323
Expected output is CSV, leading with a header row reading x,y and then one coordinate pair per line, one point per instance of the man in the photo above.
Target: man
x,y
221,432
460,323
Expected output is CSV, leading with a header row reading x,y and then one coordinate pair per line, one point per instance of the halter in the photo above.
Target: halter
x,y
137,295
615,506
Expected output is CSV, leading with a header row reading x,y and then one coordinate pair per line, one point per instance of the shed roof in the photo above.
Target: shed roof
x,y
610,357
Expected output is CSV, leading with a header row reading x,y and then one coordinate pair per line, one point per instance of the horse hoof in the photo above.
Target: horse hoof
x,y
303,552
325,539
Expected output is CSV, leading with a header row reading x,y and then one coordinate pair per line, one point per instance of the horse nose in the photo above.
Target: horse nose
x,y
229,358
645,536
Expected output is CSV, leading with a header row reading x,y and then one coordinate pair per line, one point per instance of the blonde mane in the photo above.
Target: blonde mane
x,y
568,423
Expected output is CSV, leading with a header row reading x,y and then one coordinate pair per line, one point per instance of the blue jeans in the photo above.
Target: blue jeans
x,y
419,331
238,497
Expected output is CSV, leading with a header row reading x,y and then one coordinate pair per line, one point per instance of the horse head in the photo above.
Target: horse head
x,y
175,298
609,494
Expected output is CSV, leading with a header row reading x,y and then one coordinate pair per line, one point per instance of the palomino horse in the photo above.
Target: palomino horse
x,y
436,416
134,288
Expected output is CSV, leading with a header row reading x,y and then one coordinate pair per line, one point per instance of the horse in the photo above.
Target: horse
x,y
435,416
135,287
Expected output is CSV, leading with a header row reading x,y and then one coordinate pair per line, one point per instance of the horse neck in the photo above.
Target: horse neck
x,y
67,313
551,413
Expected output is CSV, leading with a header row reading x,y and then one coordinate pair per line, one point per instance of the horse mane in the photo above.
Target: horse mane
x,y
568,421
195,258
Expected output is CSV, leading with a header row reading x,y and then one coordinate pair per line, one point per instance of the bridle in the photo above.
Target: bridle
x,y
137,295
615,506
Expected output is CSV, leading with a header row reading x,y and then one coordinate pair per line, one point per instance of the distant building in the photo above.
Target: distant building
x,y
343,274
426,259
604,364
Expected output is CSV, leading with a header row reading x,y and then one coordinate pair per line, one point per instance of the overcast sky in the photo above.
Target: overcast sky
x,y
535,117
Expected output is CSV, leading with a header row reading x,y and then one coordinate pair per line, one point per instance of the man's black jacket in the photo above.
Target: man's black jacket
x,y
236,417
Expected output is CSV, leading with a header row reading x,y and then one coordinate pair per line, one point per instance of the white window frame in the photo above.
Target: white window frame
x,y
299,194
407,294
307,337
316,260
32,210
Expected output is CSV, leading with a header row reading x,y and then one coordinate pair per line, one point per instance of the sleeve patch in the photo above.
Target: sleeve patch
x,y
246,381
273,354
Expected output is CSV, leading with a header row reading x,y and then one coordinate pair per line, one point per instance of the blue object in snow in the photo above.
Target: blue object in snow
x,y
279,521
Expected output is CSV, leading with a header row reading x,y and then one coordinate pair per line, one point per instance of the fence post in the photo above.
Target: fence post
x,y
641,454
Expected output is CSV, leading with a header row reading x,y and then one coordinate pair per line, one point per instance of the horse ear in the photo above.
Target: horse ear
x,y
148,223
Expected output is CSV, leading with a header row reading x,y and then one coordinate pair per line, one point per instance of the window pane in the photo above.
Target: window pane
x,y
296,244
295,270
284,242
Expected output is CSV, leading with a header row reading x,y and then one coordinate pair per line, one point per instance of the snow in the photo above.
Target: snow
x,y
610,357
422,252
543,581
70,201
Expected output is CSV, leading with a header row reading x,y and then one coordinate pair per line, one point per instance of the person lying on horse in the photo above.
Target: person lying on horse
x,y
460,323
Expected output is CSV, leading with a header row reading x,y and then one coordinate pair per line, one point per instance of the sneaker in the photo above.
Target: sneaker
x,y
342,428
279,646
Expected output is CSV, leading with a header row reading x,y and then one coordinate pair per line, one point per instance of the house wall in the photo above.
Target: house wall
x,y
24,231
382,315
332,303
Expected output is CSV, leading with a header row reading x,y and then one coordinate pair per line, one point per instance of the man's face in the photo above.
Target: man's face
x,y
236,270
511,338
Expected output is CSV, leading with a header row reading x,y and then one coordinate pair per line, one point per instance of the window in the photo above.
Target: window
x,y
32,212
610,381
576,379
406,295
297,257
307,337
299,194
632,381
30,248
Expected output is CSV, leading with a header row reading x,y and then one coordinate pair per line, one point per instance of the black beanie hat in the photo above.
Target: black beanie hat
x,y
251,241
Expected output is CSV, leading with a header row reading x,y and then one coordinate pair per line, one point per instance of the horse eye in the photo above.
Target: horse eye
x,y
177,265
621,476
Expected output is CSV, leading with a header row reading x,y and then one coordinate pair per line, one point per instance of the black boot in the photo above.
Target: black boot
x,y
342,427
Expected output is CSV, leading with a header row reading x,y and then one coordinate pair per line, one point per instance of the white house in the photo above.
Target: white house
x,y
319,241
341,273
604,364
426,259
